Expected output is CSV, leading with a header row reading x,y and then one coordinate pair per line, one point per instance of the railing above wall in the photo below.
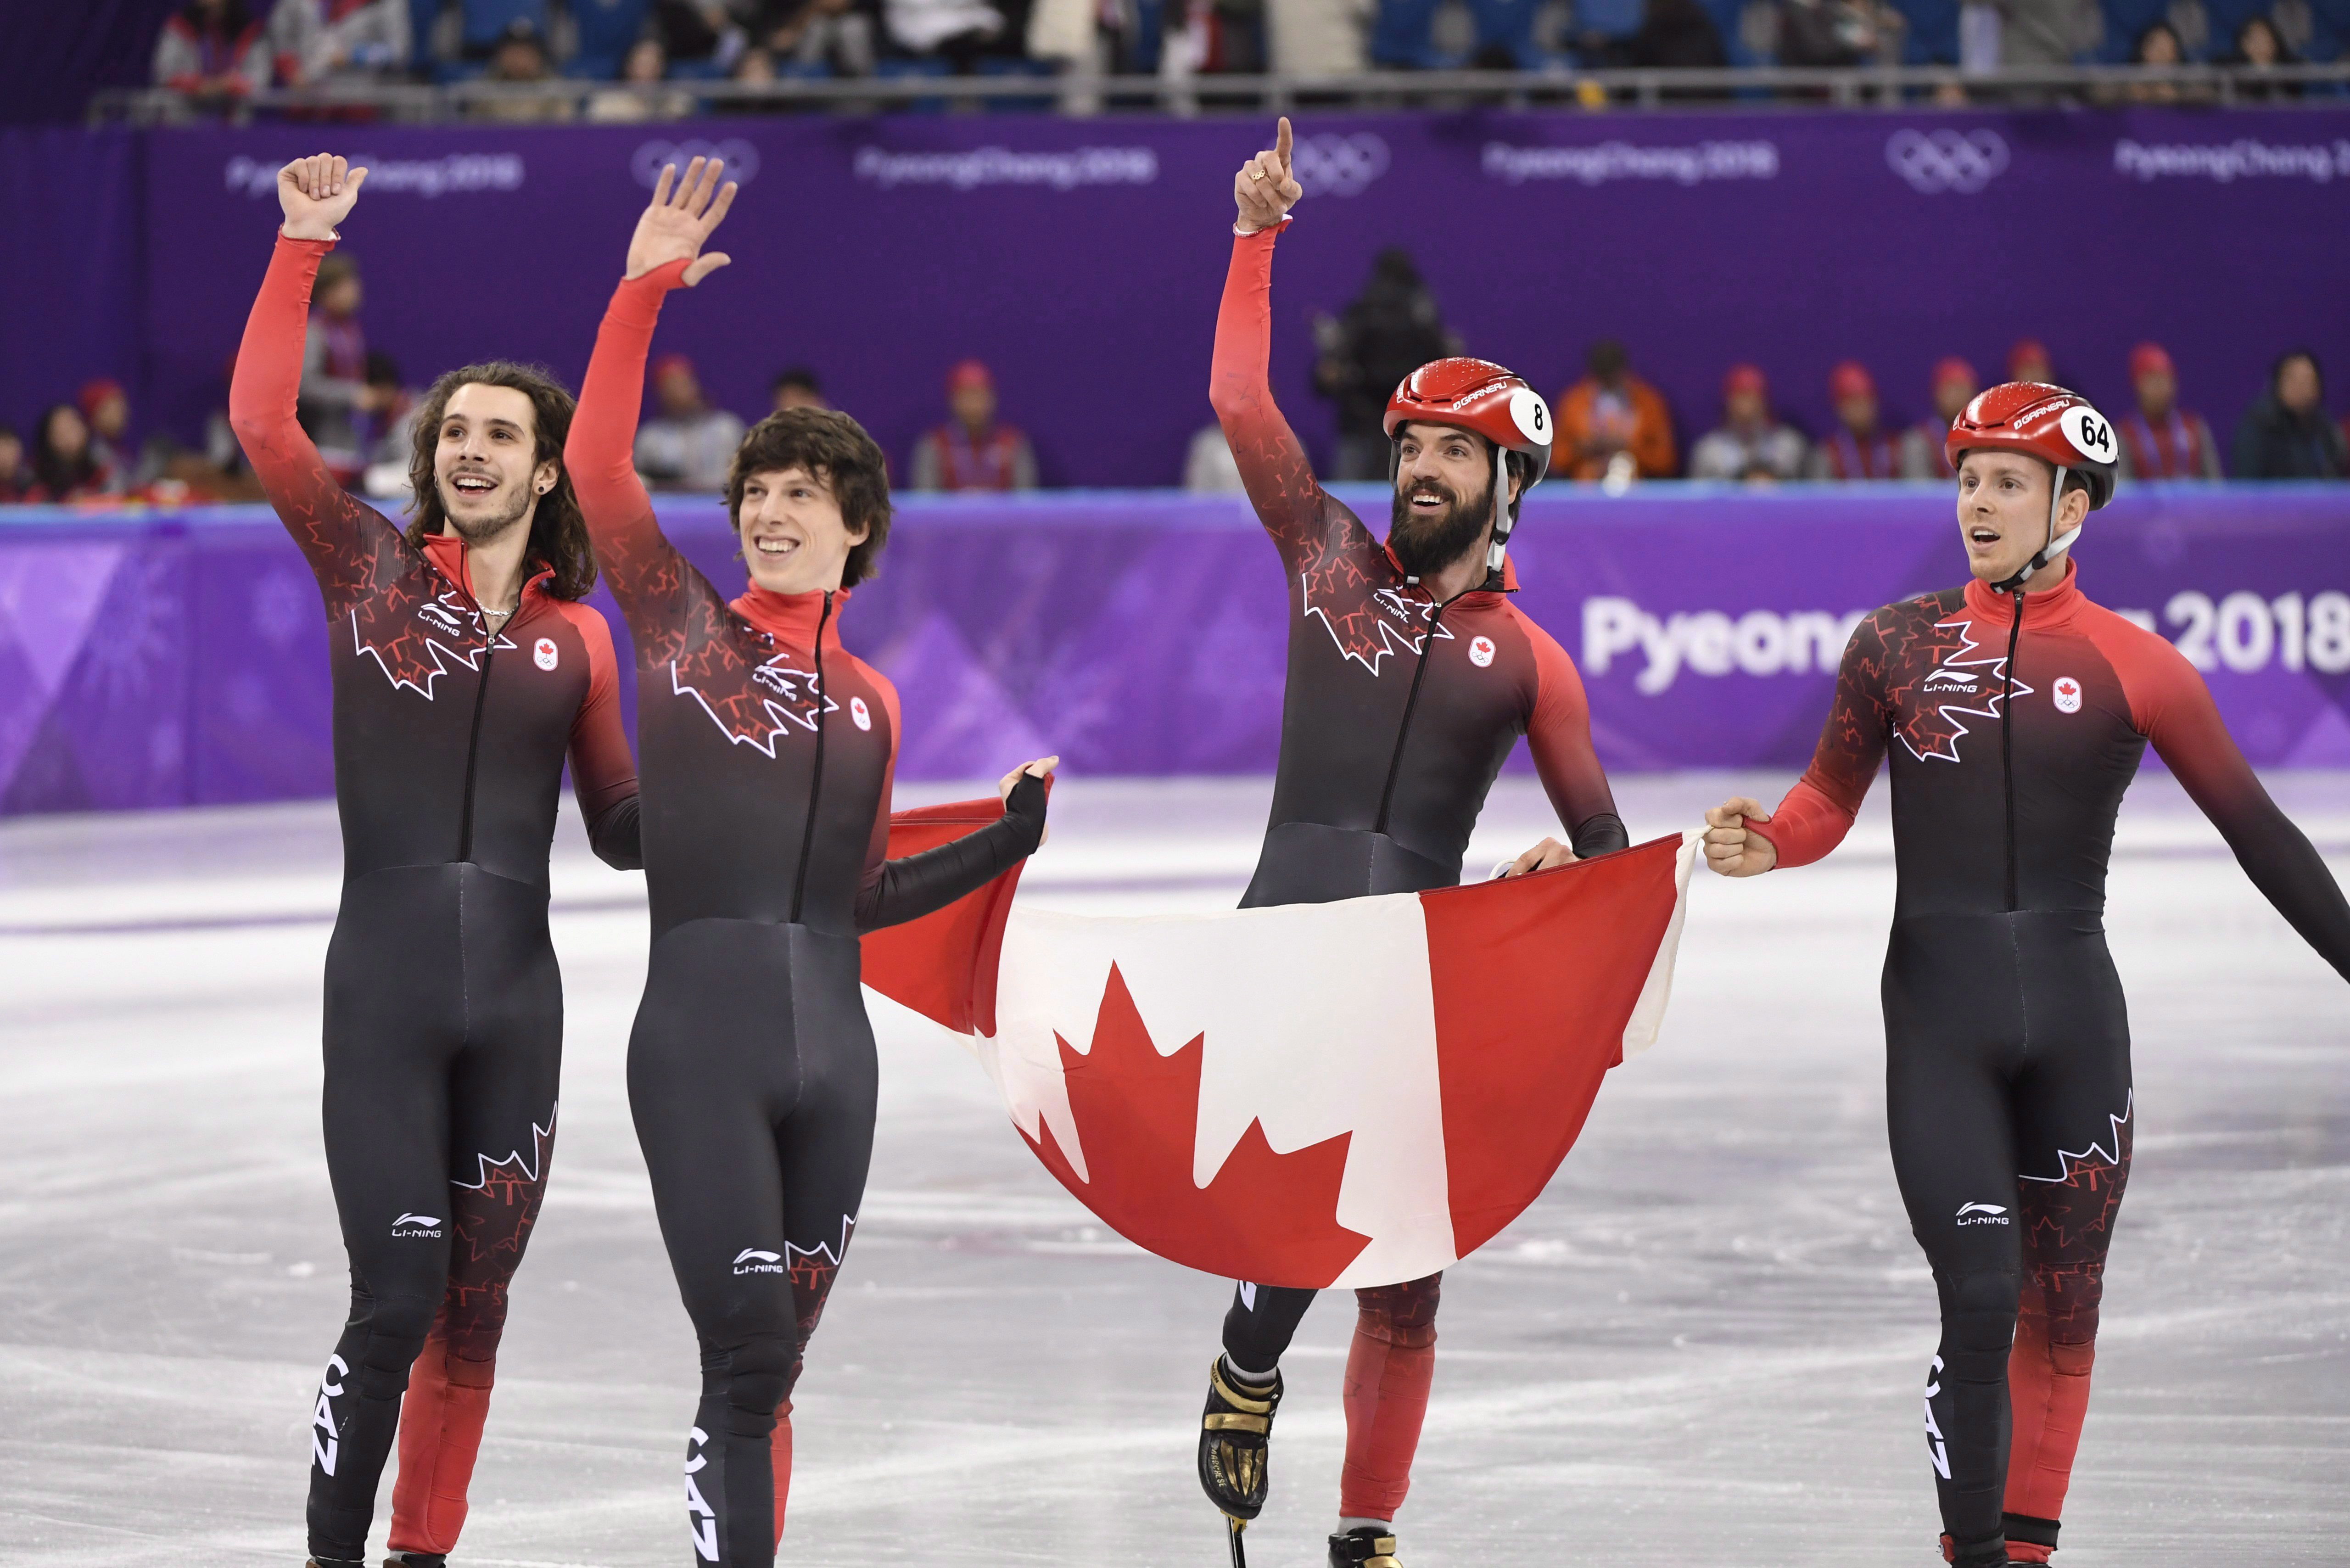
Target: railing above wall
x,y
1857,87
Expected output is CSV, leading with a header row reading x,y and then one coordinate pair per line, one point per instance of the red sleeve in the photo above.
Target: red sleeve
x,y
646,573
1273,467
877,849
338,532
603,772
1818,812
1558,734
2172,707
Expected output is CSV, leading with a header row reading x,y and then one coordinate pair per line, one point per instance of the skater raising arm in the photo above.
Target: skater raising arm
x,y
1273,466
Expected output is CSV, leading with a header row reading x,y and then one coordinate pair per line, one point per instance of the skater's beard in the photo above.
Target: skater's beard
x,y
1424,547
482,529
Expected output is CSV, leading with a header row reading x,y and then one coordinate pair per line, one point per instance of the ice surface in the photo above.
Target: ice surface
x,y
1704,1346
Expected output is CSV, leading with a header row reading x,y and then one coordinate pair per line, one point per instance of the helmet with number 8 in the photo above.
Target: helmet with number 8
x,y
2061,428
1479,396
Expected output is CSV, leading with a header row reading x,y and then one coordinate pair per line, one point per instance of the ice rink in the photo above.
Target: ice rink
x,y
1705,1345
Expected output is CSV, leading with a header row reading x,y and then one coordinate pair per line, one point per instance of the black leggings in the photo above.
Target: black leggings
x,y
2008,1098
753,1079
444,1048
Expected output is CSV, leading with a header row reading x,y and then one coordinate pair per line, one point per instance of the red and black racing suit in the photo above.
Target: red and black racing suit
x,y
1397,715
2007,1044
768,751
445,1008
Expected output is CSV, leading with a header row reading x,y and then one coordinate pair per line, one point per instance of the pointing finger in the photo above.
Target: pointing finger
x,y
1281,143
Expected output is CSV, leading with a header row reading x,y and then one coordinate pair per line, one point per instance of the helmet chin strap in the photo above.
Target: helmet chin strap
x,y
1501,521
2056,545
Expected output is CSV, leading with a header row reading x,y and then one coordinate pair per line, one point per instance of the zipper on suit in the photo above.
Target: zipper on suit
x,y
2007,733
1410,701
816,779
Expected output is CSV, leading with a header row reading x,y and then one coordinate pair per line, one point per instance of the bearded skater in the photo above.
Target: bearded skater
x,y
1410,678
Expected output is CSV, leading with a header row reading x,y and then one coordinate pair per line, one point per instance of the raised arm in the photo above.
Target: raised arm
x,y
912,886
2173,709
339,533
645,570
1273,467
1741,840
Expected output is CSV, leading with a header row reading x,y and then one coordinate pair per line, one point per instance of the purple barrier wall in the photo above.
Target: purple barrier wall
x,y
181,660
1083,258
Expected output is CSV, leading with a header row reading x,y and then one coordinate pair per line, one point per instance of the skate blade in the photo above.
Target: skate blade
x,y
1233,1528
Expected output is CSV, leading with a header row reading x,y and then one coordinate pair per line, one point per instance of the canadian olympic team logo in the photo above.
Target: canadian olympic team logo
x,y
1480,651
741,159
1339,165
542,653
860,712
1933,162
2068,694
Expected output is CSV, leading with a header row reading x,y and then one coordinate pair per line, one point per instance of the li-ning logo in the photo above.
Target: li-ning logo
x,y
409,1225
1938,160
326,1438
758,1260
1981,1214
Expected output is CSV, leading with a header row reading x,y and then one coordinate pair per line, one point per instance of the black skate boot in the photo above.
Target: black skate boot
x,y
1365,1546
415,1560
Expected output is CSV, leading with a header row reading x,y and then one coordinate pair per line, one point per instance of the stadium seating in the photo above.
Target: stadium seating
x,y
606,28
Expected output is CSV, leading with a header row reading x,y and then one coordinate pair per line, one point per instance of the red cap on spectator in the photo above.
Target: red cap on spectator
x,y
1851,379
669,364
94,392
968,374
2148,359
1953,369
1744,378
2027,351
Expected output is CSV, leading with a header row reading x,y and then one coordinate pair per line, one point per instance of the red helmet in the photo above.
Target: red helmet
x,y
2050,424
1477,395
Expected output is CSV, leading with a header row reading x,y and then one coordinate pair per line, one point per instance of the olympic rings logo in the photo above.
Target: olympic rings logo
x,y
1938,160
1339,165
741,159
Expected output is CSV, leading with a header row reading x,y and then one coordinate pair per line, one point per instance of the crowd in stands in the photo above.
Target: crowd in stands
x,y
218,51
1615,429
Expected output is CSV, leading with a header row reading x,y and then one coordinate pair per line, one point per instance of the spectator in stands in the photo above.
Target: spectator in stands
x,y
1210,468
701,32
520,56
972,451
1751,445
335,396
1612,425
752,68
1677,35
1856,448
394,427
1922,453
689,445
214,51
2028,361
63,468
1389,330
2156,47
1839,32
320,41
798,388
2160,440
105,412
841,33
16,480
644,66
959,30
2286,435
2260,48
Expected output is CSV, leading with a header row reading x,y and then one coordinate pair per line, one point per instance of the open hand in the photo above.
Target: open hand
x,y
1549,852
1731,848
1267,187
680,220
316,193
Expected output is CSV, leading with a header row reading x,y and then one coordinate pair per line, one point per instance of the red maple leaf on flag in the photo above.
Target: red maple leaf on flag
x,y
1266,1216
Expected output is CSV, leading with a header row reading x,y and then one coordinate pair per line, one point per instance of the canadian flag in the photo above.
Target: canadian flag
x,y
1346,1094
